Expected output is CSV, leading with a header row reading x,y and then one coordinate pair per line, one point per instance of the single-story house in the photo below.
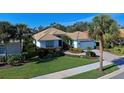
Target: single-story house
x,y
81,40
12,48
51,38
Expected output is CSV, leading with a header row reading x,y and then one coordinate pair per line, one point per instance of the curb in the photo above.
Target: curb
x,y
109,76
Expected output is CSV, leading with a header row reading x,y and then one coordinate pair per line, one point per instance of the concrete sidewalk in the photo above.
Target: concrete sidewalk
x,y
72,71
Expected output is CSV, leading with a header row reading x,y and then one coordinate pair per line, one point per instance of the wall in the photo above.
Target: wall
x,y
42,44
56,43
75,44
12,48
84,44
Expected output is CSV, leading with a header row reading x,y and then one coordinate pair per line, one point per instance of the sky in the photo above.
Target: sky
x,y
44,19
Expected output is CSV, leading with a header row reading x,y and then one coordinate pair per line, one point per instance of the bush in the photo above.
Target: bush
x,y
2,59
119,50
30,50
14,60
107,45
30,54
75,50
122,51
42,52
49,53
89,48
90,54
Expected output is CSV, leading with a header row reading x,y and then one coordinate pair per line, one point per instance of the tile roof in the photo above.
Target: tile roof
x,y
78,35
48,34
121,33
50,37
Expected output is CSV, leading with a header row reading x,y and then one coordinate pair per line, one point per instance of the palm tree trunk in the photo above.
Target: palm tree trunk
x,y
21,45
101,53
6,52
35,45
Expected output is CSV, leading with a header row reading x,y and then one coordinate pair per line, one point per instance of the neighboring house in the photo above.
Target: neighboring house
x,y
121,33
12,48
81,40
51,38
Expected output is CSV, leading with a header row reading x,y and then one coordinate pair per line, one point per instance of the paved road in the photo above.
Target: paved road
x,y
71,72
119,76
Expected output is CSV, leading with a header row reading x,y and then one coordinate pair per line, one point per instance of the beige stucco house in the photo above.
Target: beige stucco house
x,y
51,38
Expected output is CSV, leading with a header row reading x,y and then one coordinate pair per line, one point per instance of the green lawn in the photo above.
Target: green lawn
x,y
36,67
93,74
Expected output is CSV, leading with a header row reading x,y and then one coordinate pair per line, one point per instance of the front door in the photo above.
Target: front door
x,y
60,42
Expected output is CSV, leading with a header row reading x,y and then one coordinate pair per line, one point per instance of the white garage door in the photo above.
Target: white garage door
x,y
85,44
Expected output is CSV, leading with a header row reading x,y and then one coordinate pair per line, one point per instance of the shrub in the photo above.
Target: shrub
x,y
117,49
58,52
2,59
89,48
50,52
14,60
75,50
30,50
42,52
90,54
122,51
107,45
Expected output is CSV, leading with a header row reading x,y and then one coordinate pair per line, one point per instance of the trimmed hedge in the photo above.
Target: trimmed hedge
x,y
75,50
90,54
50,52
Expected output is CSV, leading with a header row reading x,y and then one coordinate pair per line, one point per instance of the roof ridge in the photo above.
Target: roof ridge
x,y
55,31
44,35
49,34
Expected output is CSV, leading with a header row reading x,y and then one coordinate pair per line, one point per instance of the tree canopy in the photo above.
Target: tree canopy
x,y
106,26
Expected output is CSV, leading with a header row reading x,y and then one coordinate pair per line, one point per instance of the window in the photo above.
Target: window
x,y
2,49
49,43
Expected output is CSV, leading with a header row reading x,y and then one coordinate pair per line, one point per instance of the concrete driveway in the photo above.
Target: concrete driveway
x,y
107,56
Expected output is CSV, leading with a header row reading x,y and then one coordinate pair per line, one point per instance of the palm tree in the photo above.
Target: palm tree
x,y
21,32
100,26
66,42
